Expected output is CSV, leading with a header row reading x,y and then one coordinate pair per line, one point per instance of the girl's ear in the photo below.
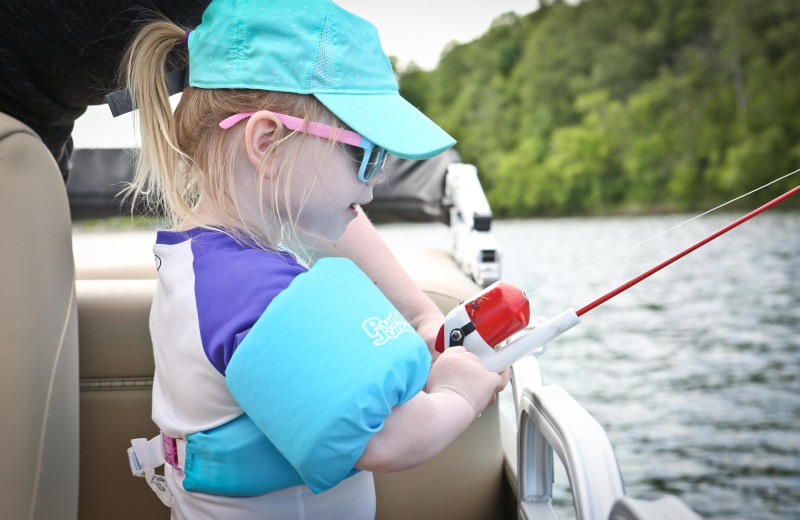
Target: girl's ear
x,y
259,134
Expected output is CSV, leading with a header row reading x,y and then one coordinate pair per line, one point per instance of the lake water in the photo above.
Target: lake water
x,y
695,372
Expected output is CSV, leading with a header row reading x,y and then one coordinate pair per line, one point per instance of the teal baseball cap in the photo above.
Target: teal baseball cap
x,y
312,47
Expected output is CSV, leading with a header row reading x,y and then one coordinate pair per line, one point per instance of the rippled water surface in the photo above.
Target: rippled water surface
x,y
695,372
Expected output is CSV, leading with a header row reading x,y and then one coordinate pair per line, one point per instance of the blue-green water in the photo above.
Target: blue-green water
x,y
695,372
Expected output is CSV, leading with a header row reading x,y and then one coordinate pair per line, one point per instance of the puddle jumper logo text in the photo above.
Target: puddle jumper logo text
x,y
387,329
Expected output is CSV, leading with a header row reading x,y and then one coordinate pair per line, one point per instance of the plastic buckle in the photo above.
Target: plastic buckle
x,y
133,460
170,447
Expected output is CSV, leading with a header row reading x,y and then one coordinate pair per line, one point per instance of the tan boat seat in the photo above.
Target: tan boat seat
x,y
38,327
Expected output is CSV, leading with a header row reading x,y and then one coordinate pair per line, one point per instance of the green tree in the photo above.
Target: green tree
x,y
623,105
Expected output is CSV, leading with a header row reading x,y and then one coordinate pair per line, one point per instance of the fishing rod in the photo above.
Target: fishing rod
x,y
501,310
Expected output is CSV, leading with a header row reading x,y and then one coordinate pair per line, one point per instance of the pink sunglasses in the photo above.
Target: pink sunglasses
x,y
370,156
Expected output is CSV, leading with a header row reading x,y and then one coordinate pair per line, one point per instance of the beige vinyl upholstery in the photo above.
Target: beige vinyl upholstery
x,y
38,333
464,482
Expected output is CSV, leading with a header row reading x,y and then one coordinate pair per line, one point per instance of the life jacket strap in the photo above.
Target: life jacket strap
x,y
144,456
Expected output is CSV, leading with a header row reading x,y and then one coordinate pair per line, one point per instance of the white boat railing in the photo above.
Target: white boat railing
x,y
548,421
552,421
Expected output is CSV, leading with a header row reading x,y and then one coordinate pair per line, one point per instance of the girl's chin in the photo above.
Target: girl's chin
x,y
329,234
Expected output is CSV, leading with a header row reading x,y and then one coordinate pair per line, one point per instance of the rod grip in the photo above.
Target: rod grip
x,y
534,339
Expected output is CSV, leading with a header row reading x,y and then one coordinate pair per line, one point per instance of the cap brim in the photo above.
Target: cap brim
x,y
391,122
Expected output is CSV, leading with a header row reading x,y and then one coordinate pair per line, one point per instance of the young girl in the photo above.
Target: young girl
x,y
279,387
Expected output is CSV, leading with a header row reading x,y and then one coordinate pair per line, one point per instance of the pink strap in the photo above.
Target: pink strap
x,y
295,123
170,446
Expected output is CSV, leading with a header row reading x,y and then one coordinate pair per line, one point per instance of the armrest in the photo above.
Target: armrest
x,y
667,506
551,420
525,373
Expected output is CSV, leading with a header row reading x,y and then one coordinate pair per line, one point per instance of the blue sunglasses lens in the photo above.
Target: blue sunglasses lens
x,y
368,165
376,160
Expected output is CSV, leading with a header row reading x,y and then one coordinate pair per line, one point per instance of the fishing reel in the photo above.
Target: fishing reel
x,y
484,321
493,315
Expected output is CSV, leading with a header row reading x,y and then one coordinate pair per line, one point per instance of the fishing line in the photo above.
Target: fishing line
x,y
665,263
606,259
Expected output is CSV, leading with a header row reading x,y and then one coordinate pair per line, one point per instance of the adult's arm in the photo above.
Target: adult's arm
x,y
362,244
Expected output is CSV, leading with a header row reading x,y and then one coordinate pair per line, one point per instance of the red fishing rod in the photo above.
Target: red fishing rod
x,y
627,285
501,310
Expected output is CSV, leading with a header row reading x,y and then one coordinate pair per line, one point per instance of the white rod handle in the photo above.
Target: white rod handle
x,y
534,339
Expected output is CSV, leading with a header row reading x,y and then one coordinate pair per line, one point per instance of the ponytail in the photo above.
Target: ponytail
x,y
186,156
161,167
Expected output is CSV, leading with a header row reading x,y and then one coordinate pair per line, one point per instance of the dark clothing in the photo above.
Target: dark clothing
x,y
57,57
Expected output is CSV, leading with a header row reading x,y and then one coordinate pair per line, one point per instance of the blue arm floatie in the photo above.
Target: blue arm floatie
x,y
323,367
237,460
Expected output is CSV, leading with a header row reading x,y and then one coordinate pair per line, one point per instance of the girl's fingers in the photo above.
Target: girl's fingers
x,y
505,377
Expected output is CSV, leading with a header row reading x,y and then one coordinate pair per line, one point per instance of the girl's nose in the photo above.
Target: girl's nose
x,y
378,177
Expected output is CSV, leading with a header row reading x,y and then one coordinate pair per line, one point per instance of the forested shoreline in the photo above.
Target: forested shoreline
x,y
613,106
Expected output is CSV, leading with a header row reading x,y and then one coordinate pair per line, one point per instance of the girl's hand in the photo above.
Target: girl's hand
x,y
459,388
461,372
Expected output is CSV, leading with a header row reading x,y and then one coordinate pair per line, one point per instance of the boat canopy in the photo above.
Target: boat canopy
x,y
413,191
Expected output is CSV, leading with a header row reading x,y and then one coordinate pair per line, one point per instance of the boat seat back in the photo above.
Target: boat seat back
x,y
38,327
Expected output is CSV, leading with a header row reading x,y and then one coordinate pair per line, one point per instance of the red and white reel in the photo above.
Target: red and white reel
x,y
494,315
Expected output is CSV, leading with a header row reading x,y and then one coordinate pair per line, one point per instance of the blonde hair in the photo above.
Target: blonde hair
x,y
186,156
